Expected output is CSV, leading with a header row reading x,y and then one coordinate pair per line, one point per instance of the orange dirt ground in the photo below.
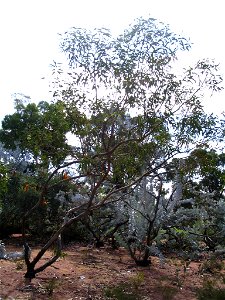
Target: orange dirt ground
x,y
85,273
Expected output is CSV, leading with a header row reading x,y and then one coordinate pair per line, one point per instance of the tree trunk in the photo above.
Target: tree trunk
x,y
30,273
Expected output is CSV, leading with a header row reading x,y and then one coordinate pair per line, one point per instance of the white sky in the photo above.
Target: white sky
x,y
29,40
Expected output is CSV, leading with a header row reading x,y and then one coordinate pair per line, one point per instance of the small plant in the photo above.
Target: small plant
x,y
63,255
85,254
213,265
182,267
137,280
20,264
178,278
122,292
168,292
50,286
180,274
166,288
210,291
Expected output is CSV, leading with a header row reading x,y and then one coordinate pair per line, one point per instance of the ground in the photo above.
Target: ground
x,y
89,273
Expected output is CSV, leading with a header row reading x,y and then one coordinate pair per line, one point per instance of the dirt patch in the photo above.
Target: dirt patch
x,y
89,273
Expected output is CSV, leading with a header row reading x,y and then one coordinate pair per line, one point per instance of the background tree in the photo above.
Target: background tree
x,y
39,130
3,182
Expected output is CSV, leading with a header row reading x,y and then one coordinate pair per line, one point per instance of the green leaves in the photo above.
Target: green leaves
x,y
38,129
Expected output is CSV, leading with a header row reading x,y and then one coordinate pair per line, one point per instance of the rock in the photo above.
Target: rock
x,y
11,255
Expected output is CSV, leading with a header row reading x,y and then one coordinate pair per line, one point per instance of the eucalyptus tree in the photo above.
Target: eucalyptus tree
x,y
128,87
128,112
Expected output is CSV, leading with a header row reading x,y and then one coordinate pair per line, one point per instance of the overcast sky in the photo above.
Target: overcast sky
x,y
29,36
